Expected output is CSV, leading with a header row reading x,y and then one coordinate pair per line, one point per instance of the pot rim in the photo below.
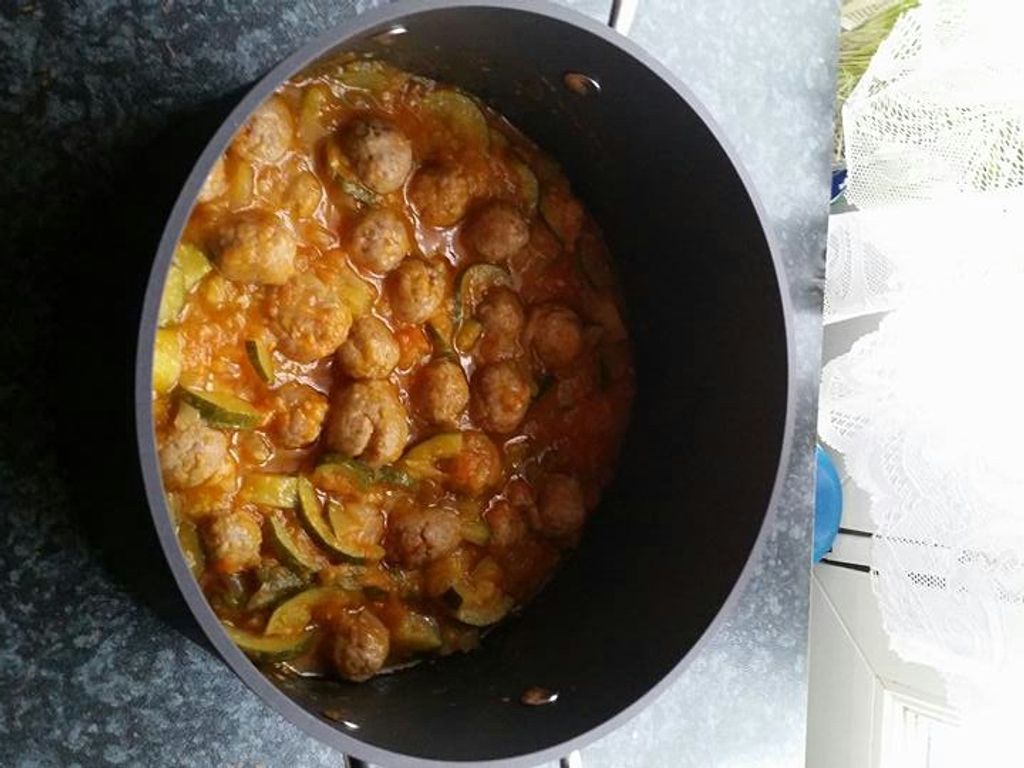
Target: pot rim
x,y
374,20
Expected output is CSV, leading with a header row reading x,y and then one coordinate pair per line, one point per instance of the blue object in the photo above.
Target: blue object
x,y
828,504
838,183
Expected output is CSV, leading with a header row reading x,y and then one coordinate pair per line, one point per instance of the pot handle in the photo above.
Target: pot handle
x,y
574,760
621,20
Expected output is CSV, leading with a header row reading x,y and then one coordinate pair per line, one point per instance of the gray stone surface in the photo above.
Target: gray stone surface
x,y
766,71
98,662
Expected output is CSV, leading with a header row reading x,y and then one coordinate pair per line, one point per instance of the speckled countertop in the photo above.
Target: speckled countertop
x,y
99,660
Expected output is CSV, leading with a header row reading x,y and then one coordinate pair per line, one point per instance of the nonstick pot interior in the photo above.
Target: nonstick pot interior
x,y
668,544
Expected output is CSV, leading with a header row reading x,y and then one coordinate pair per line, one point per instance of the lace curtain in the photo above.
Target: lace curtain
x,y
928,411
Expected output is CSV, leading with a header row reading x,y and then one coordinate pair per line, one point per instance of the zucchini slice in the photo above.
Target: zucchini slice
x,y
298,554
416,633
484,613
311,511
262,360
562,212
191,547
478,600
356,190
311,109
276,583
166,360
394,476
474,283
468,335
366,76
270,649
420,461
339,473
232,592
350,523
443,574
357,294
241,182
221,409
312,514
526,184
193,264
294,615
270,490
439,340
341,174
475,531
172,300
460,115
348,576
374,583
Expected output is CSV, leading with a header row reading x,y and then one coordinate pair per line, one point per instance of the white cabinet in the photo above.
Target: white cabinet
x,y
868,708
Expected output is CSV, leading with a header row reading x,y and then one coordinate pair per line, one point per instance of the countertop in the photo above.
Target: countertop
x,y
102,105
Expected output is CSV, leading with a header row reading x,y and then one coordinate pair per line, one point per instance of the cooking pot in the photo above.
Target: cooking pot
x,y
669,547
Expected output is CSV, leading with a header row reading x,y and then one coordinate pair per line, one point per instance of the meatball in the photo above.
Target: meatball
x,y
367,420
380,154
501,316
380,241
559,512
501,395
506,523
268,133
498,231
555,334
299,413
215,184
477,468
233,542
193,452
255,247
361,645
441,392
440,194
415,290
420,536
371,351
308,317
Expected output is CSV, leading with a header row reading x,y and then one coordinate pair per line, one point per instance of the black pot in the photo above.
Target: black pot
x,y
669,547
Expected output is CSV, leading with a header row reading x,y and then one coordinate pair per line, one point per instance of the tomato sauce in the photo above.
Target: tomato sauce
x,y
391,375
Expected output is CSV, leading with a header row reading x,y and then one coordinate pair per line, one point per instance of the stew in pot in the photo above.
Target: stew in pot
x,y
391,373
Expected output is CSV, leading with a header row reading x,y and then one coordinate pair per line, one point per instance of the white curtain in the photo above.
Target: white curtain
x,y
928,411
